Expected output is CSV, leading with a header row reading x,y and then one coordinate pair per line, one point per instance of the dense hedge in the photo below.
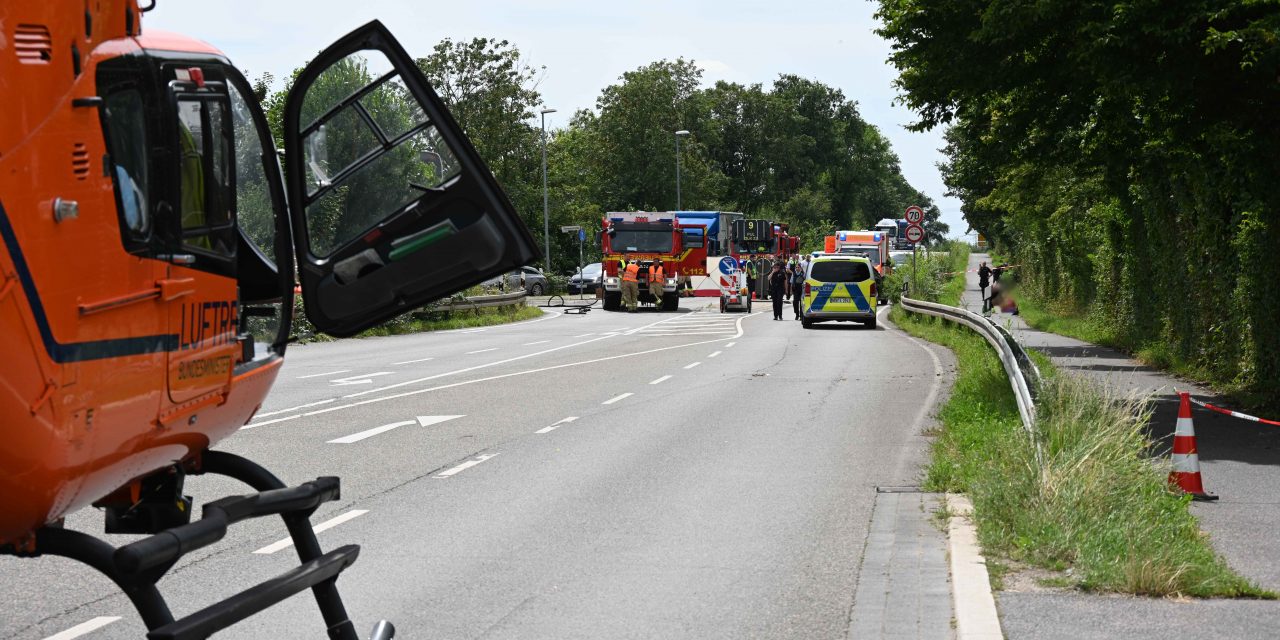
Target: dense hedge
x,y
1127,153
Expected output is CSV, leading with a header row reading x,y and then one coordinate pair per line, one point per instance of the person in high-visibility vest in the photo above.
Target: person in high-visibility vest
x,y
750,268
656,280
631,286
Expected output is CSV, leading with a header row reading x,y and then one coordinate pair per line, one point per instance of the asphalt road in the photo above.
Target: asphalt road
x,y
684,475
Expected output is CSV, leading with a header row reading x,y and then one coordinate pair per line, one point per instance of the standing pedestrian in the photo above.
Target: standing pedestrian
x,y
631,286
984,281
656,280
777,285
797,286
750,268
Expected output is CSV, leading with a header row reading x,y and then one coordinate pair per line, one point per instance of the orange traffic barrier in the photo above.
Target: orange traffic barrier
x,y
1186,461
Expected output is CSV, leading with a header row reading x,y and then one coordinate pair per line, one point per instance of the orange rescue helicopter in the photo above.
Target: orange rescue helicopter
x,y
147,266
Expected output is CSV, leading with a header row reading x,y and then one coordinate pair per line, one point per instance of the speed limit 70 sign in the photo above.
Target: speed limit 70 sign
x,y
915,215
915,233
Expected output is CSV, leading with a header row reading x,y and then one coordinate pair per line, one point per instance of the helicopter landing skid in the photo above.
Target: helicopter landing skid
x,y
137,567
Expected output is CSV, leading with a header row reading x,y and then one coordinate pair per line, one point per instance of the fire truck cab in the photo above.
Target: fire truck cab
x,y
648,237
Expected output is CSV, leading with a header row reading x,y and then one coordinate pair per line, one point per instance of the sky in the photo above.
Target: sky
x,y
586,45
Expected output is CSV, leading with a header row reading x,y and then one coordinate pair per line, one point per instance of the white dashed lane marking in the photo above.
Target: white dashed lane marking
x,y
661,380
482,351
557,425
83,628
530,344
617,398
714,354
412,361
464,466
323,526
692,365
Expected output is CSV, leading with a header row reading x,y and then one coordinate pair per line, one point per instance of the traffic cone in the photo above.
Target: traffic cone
x,y
1186,462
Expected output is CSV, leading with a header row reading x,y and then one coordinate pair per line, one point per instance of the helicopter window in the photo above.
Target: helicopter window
x,y
368,150
204,166
255,213
127,135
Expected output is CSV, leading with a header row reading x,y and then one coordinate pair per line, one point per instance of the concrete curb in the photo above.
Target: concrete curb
x,y
971,597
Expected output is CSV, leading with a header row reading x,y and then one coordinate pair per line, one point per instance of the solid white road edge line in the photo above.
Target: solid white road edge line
x,y
321,375
975,606
714,354
557,425
661,380
464,466
396,396
83,628
617,398
323,526
412,361
690,366
423,421
301,406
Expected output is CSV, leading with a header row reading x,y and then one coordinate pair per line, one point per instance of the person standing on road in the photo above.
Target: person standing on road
x,y
656,280
777,285
984,281
750,268
631,286
797,286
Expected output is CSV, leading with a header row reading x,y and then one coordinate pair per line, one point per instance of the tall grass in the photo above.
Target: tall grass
x,y
1096,504
932,270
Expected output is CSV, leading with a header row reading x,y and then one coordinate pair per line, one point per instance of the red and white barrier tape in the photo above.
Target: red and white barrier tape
x,y
1235,414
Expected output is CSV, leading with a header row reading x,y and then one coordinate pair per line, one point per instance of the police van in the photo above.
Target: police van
x,y
839,287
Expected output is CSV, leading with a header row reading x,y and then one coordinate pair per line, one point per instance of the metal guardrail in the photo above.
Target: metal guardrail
x,y
480,302
1023,375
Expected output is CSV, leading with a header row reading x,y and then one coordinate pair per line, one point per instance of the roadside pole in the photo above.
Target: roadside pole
x,y
582,236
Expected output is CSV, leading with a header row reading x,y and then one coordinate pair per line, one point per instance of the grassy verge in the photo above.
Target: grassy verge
x,y
1096,509
438,321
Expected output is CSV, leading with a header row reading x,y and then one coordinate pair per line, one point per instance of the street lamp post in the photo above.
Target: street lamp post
x,y
679,134
546,209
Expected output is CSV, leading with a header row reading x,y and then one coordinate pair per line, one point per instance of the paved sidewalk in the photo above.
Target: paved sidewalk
x,y
1240,461
904,585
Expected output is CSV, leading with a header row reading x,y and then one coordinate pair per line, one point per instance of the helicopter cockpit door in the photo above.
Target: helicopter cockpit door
x,y
391,206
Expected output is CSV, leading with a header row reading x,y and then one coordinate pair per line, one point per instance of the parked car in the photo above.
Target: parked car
x,y
530,278
589,280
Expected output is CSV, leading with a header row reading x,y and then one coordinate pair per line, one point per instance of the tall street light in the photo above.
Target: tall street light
x,y
546,209
679,134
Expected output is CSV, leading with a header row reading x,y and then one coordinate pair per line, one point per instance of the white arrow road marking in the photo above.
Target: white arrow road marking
x,y
557,425
661,380
617,398
323,526
412,361
360,379
464,466
321,375
424,421
83,628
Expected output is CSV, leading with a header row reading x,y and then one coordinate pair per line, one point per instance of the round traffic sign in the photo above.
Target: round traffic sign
x,y
915,233
914,215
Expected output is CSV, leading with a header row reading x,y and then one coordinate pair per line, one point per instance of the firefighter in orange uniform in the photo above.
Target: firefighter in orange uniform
x,y
656,278
631,286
